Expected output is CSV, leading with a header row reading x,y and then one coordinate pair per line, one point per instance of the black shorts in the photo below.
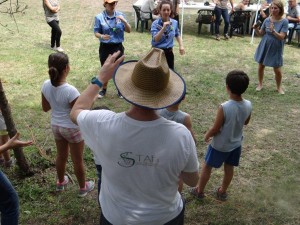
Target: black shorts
x,y
106,48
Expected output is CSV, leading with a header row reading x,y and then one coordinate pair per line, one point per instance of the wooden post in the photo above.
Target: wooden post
x,y
11,129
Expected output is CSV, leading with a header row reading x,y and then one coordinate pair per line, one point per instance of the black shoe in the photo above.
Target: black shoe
x,y
102,93
119,95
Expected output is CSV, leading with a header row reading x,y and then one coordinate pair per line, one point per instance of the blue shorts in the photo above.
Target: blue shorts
x,y
215,158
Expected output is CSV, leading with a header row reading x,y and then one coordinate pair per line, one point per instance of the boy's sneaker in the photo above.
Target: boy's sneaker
x,y
102,93
61,186
199,196
119,95
59,49
221,196
89,186
226,36
218,37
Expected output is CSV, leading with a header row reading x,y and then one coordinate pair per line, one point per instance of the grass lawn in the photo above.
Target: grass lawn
x,y
265,188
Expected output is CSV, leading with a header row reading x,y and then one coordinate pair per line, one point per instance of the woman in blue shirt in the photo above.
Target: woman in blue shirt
x,y
109,29
164,30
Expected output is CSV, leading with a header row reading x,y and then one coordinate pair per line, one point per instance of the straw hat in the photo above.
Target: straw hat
x,y
149,82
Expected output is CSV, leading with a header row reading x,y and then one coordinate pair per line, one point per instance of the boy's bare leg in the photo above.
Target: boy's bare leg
x,y
204,178
228,175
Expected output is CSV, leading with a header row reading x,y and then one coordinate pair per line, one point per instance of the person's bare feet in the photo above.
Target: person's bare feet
x,y
259,87
280,91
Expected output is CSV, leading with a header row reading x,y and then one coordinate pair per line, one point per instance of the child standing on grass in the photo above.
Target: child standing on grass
x,y
173,113
59,96
5,159
226,135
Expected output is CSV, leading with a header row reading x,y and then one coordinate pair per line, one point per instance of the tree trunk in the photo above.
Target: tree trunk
x,y
6,112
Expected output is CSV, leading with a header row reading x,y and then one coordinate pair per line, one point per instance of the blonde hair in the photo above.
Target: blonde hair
x,y
280,5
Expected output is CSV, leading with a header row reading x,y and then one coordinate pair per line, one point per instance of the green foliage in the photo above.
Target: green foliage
x,y
265,188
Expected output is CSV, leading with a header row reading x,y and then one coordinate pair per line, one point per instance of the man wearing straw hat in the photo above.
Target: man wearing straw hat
x,y
142,154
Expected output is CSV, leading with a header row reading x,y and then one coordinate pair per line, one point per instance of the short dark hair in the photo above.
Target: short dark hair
x,y
237,81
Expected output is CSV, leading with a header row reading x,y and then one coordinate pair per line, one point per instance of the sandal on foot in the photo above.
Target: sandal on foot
x,y
221,196
199,196
258,88
280,91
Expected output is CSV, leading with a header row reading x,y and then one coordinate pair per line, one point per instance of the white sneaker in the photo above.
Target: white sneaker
x,y
59,49
89,186
62,186
54,48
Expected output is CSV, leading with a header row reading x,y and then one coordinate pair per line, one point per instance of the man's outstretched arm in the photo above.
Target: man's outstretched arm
x,y
86,99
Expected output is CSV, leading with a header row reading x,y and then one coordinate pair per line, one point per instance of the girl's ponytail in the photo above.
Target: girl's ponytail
x,y
57,62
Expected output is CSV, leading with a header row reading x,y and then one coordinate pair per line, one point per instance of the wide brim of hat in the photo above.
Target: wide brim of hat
x,y
172,94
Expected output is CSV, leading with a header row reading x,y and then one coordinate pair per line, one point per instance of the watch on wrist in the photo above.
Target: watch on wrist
x,y
96,81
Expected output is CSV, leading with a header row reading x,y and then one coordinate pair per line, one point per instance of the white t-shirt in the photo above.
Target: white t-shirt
x,y
141,162
147,6
59,99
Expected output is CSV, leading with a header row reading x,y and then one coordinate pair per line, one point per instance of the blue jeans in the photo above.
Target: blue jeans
x,y
9,202
224,12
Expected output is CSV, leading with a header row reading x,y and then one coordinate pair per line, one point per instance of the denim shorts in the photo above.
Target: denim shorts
x,y
72,135
215,158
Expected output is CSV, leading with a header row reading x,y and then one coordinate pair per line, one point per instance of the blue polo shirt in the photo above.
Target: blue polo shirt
x,y
167,39
112,26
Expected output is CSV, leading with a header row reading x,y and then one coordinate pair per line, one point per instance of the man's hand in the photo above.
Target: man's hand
x,y
109,67
87,97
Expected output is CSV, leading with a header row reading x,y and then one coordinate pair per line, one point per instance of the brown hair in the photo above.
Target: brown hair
x,y
166,2
280,5
57,62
